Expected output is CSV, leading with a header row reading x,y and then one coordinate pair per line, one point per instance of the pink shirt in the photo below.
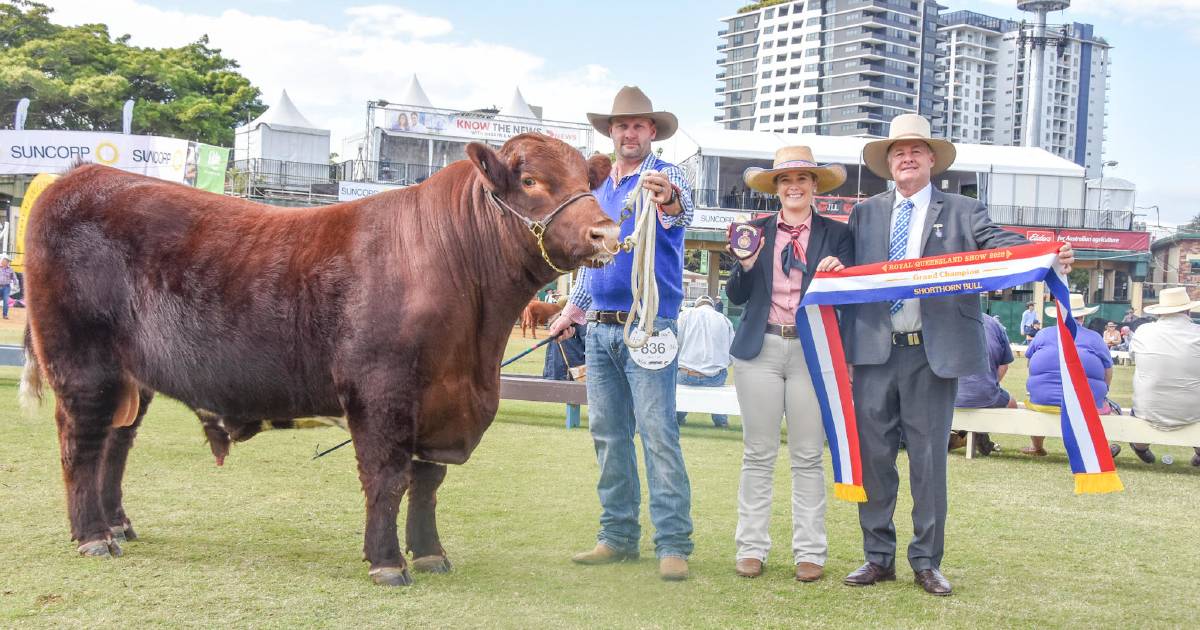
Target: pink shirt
x,y
785,289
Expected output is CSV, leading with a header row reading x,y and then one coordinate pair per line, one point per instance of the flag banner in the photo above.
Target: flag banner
x,y
951,274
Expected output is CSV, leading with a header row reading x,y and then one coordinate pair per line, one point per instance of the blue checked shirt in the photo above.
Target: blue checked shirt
x,y
581,294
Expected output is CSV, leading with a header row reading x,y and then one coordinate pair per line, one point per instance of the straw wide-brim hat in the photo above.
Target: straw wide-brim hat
x,y
908,127
795,159
1173,300
631,101
1077,307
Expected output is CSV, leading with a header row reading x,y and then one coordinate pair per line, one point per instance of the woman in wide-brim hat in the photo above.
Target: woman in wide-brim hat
x,y
772,377
1045,380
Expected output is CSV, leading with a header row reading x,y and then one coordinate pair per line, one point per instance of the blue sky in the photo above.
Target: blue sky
x,y
571,56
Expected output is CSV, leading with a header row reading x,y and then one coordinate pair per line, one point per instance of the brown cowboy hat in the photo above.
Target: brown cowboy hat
x,y
795,159
908,127
631,101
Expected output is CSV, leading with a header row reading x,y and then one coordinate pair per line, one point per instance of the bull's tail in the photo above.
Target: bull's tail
x,y
30,393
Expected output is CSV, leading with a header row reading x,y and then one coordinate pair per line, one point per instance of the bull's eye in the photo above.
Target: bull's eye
x,y
528,182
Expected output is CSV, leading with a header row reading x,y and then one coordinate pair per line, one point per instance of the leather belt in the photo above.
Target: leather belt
x,y
693,373
907,339
787,331
608,317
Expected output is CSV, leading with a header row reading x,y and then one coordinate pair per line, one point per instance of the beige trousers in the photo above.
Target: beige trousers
x,y
770,386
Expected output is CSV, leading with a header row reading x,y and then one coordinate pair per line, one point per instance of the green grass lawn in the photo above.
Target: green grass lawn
x,y
273,539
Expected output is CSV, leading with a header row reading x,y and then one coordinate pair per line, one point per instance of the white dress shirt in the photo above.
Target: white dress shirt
x,y
908,318
1166,372
704,339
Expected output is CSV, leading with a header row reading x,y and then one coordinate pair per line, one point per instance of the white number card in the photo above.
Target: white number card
x,y
658,352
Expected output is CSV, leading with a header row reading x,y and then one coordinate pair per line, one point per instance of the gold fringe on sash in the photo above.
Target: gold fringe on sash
x,y
851,493
1098,483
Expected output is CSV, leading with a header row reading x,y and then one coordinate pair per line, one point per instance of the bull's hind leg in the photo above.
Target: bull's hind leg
x,y
116,453
383,443
84,413
421,533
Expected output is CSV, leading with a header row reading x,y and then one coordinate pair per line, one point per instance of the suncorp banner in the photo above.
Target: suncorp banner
x,y
27,152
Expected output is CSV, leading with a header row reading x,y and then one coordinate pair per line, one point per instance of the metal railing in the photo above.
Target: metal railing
x,y
1062,217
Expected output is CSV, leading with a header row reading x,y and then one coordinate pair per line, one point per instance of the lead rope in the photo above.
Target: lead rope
x,y
644,284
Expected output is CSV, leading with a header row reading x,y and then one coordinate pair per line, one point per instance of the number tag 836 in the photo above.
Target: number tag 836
x,y
658,352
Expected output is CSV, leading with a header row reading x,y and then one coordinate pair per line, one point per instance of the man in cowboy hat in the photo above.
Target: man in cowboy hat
x,y
1166,376
624,396
908,354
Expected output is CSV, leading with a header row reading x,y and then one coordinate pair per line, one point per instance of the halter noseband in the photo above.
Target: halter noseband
x,y
538,228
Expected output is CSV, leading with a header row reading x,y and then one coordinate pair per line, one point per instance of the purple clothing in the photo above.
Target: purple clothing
x,y
8,276
982,391
1045,385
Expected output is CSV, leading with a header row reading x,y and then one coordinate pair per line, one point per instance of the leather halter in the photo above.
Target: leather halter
x,y
538,228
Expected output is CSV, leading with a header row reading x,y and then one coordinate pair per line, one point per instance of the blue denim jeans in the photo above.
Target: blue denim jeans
x,y
716,380
624,398
4,291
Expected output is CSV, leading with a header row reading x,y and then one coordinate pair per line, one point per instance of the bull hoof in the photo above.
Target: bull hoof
x,y
431,564
391,576
123,533
100,549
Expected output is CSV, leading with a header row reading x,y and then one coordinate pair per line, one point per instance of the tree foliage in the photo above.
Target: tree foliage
x,y
1191,226
78,77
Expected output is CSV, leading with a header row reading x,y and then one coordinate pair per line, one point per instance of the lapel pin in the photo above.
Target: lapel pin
x,y
937,229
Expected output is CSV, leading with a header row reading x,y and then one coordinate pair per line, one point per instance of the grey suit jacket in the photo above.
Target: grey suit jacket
x,y
952,325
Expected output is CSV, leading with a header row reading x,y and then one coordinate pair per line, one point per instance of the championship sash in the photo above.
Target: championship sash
x,y
948,274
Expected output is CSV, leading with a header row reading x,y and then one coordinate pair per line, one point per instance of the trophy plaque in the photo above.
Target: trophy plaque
x,y
744,239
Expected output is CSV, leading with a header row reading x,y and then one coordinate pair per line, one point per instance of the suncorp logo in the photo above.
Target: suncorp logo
x,y
157,158
107,153
49,152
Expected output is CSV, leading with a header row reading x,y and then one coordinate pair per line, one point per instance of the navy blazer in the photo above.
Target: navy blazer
x,y
753,288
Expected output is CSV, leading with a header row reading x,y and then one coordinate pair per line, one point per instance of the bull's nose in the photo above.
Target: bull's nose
x,y
604,237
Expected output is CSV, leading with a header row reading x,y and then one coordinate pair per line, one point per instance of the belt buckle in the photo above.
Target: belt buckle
x,y
787,331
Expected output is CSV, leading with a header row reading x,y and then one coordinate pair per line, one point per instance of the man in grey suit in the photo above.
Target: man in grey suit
x,y
907,355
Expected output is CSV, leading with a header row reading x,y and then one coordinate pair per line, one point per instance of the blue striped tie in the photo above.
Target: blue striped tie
x,y
899,243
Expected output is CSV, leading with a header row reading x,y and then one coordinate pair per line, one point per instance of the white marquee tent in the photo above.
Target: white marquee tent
x,y
282,133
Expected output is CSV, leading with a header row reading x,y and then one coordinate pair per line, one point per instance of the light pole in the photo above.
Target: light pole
x,y
1100,193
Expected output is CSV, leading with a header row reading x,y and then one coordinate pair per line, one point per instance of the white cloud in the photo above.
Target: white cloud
x,y
332,71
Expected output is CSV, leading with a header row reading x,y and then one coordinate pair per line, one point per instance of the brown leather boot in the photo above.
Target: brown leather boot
x,y
603,554
809,572
673,568
748,567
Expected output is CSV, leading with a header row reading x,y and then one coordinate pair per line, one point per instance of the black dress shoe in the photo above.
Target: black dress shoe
x,y
932,581
1144,454
869,574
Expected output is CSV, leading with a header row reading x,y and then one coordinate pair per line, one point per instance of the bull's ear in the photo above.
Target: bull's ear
x,y
496,174
599,167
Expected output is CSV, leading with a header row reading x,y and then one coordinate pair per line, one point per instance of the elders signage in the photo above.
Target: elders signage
x,y
1087,239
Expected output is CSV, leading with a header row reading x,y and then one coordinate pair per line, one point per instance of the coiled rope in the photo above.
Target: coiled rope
x,y
644,284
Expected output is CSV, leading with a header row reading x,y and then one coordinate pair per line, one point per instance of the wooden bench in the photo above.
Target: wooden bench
x,y
1118,356
1029,422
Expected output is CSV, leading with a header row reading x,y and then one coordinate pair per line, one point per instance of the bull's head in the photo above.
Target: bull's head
x,y
545,180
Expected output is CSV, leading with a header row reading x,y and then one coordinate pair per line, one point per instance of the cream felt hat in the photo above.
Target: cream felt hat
x,y
631,101
799,159
908,127
1173,300
1077,307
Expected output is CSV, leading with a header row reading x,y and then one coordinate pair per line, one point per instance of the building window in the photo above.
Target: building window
x,y
763,119
1195,266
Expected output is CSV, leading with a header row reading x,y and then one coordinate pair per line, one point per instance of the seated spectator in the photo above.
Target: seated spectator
x,y
1112,336
983,391
704,339
1045,384
1166,375
1027,320
1033,328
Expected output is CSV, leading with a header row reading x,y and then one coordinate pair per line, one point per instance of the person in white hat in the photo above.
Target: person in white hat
x,y
8,280
624,396
908,354
1045,380
772,381
1166,373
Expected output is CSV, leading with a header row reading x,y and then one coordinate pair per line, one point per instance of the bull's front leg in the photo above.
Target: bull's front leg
x,y
383,443
421,533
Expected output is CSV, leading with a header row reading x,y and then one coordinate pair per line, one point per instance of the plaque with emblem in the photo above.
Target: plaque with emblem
x,y
744,239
